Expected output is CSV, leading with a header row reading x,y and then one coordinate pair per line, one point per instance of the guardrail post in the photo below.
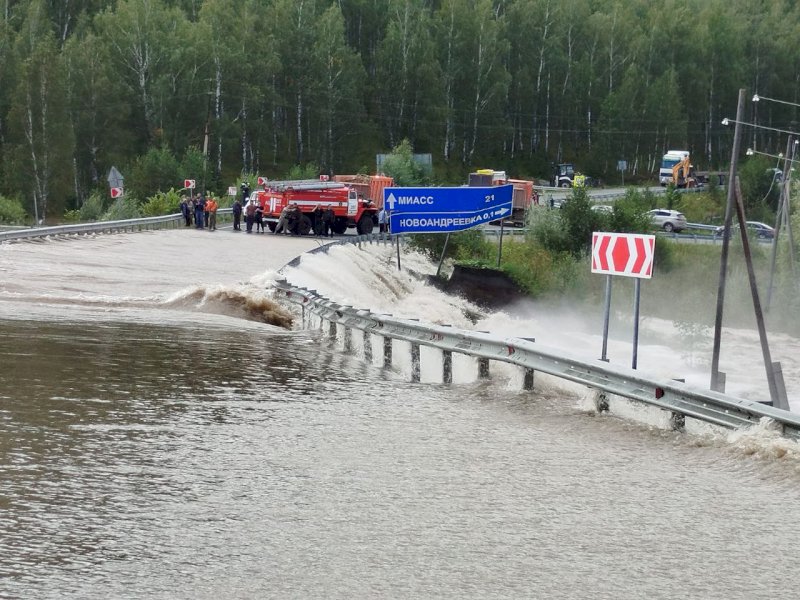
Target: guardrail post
x,y
347,339
527,382
720,383
483,368
601,402
332,330
387,353
677,421
415,362
447,366
780,386
367,346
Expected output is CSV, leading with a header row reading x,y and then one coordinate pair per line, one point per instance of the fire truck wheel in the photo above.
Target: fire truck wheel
x,y
339,226
365,225
304,227
271,226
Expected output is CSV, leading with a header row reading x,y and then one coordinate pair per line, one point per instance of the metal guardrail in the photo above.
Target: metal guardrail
x,y
676,397
146,223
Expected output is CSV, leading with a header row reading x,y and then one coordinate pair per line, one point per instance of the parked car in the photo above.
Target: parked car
x,y
756,228
602,208
668,220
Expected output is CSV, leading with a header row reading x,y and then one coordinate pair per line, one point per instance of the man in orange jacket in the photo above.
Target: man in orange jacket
x,y
211,208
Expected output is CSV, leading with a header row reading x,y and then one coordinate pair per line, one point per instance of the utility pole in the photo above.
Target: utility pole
x,y
717,378
784,198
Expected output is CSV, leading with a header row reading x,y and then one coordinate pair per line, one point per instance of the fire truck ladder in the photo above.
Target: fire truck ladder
x,y
303,184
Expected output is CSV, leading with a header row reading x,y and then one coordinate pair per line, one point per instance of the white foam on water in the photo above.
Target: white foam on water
x,y
368,278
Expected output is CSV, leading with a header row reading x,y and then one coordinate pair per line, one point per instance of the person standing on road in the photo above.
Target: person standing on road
x,y
382,219
187,216
317,224
293,219
327,222
237,215
211,211
259,218
199,209
250,215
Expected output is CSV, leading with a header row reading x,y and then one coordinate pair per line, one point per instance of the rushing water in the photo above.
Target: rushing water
x,y
160,437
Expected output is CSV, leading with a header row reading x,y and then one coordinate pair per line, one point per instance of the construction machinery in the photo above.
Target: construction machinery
x,y
683,175
563,175
677,169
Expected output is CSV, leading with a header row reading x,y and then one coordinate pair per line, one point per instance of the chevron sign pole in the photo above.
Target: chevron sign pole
x,y
630,255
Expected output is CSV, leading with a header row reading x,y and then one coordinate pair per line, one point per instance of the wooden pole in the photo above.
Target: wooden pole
x,y
723,264
751,275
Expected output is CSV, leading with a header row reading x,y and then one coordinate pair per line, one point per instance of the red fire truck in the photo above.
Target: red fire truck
x,y
349,209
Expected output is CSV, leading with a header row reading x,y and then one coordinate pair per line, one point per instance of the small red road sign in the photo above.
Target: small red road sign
x,y
628,254
189,184
116,192
262,180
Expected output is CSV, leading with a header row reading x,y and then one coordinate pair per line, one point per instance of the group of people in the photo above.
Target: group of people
x,y
202,211
253,215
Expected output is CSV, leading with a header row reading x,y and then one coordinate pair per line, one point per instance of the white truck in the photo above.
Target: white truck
x,y
668,161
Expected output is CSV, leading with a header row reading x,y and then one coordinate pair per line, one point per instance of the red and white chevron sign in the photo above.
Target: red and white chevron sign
x,y
628,254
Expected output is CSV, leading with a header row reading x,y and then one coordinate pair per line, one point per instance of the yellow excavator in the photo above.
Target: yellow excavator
x,y
683,175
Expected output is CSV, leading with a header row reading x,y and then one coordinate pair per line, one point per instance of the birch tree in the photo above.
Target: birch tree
x,y
142,36
341,76
407,82
41,143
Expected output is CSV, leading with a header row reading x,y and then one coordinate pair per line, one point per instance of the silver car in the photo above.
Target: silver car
x,y
668,220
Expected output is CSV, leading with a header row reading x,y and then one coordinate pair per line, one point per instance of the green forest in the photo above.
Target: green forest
x,y
218,89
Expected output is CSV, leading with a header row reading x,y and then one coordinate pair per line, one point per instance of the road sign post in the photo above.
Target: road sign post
x,y
629,255
115,178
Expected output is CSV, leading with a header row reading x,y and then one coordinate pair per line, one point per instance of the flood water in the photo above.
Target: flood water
x,y
161,438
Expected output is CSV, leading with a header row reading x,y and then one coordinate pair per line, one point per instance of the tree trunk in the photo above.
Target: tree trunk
x,y
542,48
246,166
299,125
218,107
448,92
547,116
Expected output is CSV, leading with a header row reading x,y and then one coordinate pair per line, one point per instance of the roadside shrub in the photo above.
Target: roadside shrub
x,y
760,186
702,207
579,221
546,229
153,172
11,211
470,245
163,203
400,165
92,209
571,276
629,214
530,266
123,208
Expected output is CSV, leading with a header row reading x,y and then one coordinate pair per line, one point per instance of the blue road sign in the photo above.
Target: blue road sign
x,y
444,209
